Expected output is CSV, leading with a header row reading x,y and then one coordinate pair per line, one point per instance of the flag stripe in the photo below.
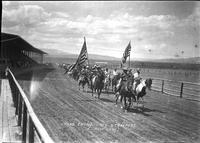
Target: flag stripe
x,y
126,53
83,55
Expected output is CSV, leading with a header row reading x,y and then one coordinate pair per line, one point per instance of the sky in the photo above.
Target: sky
x,y
156,29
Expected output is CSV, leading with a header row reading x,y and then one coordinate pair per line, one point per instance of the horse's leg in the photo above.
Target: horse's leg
x,y
107,86
86,87
79,85
129,100
117,96
133,96
83,86
98,93
124,102
142,102
92,89
137,99
100,90
121,98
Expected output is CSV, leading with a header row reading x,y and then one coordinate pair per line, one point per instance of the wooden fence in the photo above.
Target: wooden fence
x,y
27,119
177,88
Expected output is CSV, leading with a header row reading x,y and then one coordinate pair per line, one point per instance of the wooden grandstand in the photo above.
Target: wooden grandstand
x,y
17,53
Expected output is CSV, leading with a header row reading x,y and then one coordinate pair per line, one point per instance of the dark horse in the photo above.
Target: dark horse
x,y
125,91
97,83
114,81
82,81
74,74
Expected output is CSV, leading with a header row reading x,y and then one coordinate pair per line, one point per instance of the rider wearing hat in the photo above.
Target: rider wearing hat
x,y
137,74
125,75
84,71
106,72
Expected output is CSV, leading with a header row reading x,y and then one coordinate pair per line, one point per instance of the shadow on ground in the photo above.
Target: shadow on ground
x,y
107,100
144,111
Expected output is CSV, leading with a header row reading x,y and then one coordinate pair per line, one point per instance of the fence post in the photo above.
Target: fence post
x,y
20,111
181,93
31,131
162,86
17,105
24,127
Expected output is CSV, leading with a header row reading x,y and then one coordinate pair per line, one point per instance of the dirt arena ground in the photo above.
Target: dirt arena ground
x,y
70,115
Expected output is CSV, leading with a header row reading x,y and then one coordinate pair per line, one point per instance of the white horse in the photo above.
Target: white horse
x,y
140,90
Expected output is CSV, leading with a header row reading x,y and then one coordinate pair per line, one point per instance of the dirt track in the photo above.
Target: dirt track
x,y
70,115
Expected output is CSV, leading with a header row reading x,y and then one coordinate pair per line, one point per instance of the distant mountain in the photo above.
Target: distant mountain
x,y
54,52
61,54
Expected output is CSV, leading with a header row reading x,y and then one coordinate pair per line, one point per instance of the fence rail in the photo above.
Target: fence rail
x,y
27,119
177,88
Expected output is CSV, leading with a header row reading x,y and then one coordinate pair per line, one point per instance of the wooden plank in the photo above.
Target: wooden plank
x,y
10,129
1,114
12,120
6,134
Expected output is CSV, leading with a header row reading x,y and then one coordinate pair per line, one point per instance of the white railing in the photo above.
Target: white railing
x,y
27,119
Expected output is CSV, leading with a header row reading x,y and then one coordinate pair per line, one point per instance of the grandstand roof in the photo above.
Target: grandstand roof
x,y
15,41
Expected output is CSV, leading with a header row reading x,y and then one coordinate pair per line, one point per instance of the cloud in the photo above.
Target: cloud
x,y
105,34
24,15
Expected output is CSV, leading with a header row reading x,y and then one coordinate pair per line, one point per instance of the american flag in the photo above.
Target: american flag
x,y
126,53
71,67
83,56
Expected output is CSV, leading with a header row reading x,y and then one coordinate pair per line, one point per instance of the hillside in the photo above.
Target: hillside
x,y
60,54
179,63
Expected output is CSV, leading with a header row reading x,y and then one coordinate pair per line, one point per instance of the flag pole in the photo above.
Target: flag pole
x,y
87,52
129,57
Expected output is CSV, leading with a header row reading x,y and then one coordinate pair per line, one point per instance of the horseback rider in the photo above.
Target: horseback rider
x,y
99,70
124,77
115,72
84,71
94,70
106,72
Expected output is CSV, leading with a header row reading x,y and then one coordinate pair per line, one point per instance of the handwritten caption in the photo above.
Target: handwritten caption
x,y
99,126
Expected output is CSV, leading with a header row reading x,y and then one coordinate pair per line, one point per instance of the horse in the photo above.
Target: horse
x,y
82,81
140,90
75,74
97,83
125,91
114,81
